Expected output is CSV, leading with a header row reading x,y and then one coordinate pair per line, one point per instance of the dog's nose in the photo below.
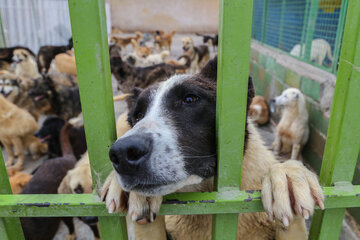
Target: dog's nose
x,y
129,153
272,100
37,134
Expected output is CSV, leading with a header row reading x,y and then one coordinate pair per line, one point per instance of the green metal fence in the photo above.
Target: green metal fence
x,y
303,28
92,59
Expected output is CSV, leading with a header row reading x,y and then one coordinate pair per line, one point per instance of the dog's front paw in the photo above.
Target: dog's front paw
x,y
115,198
290,189
143,209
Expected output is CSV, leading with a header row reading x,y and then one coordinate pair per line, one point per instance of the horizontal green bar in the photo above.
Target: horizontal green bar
x,y
174,204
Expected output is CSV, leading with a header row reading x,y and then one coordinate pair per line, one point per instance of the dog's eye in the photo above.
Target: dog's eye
x,y
190,99
139,116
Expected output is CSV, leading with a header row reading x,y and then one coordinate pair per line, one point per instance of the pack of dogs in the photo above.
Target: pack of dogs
x,y
166,139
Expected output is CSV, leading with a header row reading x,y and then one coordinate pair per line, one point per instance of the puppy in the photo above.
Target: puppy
x,y
15,90
65,63
199,55
150,60
129,77
46,180
171,147
7,54
259,110
320,49
17,127
25,64
18,180
124,41
52,98
163,40
47,53
212,40
142,51
292,132
50,133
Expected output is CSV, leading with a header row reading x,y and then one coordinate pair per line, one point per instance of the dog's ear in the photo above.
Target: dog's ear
x,y
64,187
251,92
210,69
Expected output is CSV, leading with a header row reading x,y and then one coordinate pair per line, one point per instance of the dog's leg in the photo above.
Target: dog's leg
x,y
295,151
112,194
9,151
276,146
143,209
18,144
290,189
70,225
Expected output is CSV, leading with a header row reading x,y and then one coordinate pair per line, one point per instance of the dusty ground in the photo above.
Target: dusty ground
x,y
84,232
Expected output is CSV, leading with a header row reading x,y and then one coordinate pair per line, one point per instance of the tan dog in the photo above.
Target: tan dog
x,y
292,132
25,64
17,128
183,60
65,63
141,51
164,157
18,180
199,55
259,110
123,42
164,40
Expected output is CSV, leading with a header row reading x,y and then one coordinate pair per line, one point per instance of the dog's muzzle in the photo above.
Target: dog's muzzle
x,y
129,155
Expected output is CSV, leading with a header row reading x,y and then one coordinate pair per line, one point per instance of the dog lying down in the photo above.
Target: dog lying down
x,y
171,147
292,132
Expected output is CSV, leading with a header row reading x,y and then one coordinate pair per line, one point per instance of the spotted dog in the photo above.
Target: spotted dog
x,y
171,147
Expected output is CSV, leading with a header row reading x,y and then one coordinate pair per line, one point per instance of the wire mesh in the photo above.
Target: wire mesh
x,y
289,24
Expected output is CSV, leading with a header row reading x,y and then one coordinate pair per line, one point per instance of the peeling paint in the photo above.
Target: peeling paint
x,y
207,201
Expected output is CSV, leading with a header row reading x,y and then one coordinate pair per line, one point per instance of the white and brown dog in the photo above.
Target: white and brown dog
x,y
292,132
171,147
199,55
25,64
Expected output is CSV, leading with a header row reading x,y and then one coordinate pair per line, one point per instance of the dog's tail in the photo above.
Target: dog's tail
x,y
66,147
173,33
122,97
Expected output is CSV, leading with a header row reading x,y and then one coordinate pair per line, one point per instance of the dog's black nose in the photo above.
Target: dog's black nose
x,y
37,134
128,154
272,100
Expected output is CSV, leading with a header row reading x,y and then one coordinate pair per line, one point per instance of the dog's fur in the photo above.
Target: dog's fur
x,y
124,41
50,133
172,147
7,54
141,51
65,63
47,53
129,77
259,110
152,59
163,40
17,127
212,40
199,55
15,89
320,49
25,64
60,100
183,60
46,180
292,132
18,180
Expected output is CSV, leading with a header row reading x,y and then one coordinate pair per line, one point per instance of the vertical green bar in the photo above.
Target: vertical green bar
x,y
233,72
283,2
343,139
263,34
339,34
3,37
10,228
306,17
311,28
88,24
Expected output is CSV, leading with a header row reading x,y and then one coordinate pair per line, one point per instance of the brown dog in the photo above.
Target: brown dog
x,y
25,64
17,128
18,180
164,40
123,42
259,110
65,63
199,55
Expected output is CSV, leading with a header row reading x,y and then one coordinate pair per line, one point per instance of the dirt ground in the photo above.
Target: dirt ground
x,y
267,132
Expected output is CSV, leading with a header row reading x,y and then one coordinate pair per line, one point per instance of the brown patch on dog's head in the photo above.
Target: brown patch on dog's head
x,y
144,51
18,181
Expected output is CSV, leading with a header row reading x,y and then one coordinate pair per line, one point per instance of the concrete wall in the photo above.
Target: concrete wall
x,y
184,16
273,71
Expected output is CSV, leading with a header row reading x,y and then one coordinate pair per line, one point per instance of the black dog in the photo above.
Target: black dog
x,y
207,38
50,133
60,100
129,76
47,53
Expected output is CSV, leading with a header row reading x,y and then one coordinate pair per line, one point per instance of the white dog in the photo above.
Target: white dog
x,y
292,131
320,48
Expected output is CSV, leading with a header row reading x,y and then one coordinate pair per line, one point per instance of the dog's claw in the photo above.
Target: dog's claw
x,y
285,221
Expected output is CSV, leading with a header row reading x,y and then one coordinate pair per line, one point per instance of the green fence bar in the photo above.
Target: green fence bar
x,y
343,139
314,6
339,35
88,24
10,228
306,17
233,72
264,17
283,2
2,32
